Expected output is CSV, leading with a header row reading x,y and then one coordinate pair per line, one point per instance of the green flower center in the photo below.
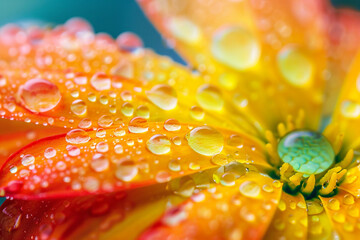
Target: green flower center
x,y
308,152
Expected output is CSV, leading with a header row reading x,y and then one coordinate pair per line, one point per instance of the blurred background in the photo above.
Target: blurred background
x,y
110,16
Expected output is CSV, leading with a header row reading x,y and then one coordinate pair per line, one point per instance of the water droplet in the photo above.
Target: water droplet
x,y
209,97
205,140
127,109
172,125
77,136
91,184
126,171
105,121
159,144
78,107
349,199
118,149
350,109
100,82
138,125
99,163
236,48
27,160
295,66
334,204
49,152
219,159
119,132
250,189
184,30
197,113
163,96
227,179
162,176
39,95
13,169
128,41
102,147
85,123
142,111
3,81
73,150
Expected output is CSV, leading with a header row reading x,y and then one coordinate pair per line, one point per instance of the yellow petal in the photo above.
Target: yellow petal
x,y
290,219
343,211
351,182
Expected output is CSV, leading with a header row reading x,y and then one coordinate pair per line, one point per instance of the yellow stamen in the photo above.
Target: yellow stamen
x,y
290,123
338,143
274,157
270,138
296,179
331,185
341,174
281,129
299,121
309,186
347,159
329,173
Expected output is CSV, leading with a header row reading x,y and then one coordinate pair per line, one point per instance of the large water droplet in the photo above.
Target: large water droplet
x,y
172,125
159,144
105,121
250,189
78,107
99,163
205,140
126,171
50,152
209,97
77,136
39,95
184,29
27,160
138,125
163,96
236,48
295,66
100,82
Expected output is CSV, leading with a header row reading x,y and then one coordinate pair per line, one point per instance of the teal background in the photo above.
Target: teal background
x,y
110,16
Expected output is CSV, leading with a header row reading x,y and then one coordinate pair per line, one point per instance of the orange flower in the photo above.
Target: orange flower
x,y
260,141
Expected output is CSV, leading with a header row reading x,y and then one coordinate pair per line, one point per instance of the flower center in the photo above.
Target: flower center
x,y
308,152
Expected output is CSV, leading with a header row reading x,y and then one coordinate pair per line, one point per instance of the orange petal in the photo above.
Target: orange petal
x,y
290,219
66,79
116,216
343,211
110,160
270,54
241,211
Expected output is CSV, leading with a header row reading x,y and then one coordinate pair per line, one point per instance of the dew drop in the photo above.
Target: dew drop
x,y
78,107
100,82
296,67
163,96
128,41
209,97
85,123
172,125
102,147
91,184
73,150
127,109
159,144
227,179
49,152
205,140
126,171
162,176
39,95
77,136
13,169
142,111
250,189
236,48
350,109
138,125
3,81
105,121
197,113
99,163
334,204
27,160
184,30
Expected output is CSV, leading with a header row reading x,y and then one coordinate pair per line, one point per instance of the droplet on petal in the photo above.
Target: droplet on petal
x,y
250,189
100,82
128,41
78,107
295,66
126,171
205,140
39,95
138,125
159,144
77,136
172,125
163,96
236,47
3,81
99,163
184,29
27,160
210,98
49,152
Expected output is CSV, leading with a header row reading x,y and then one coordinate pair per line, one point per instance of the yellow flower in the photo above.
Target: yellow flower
x,y
259,141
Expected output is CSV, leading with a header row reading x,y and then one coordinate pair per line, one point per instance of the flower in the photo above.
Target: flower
x,y
259,141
